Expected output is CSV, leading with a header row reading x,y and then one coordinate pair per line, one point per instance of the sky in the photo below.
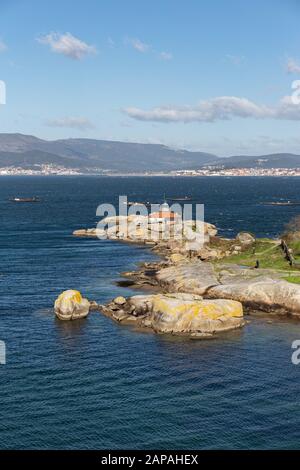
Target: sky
x,y
218,76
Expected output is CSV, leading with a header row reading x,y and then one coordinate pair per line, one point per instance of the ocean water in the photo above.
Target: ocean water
x,y
94,384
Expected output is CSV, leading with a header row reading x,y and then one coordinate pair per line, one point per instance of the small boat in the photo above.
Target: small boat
x,y
185,198
131,203
25,199
281,203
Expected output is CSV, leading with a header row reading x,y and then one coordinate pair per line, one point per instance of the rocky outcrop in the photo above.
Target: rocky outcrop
x,y
197,271
261,289
179,314
173,235
90,232
70,305
270,295
195,277
245,238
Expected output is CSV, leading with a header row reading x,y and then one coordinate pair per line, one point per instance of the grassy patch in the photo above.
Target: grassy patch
x,y
293,279
295,245
268,254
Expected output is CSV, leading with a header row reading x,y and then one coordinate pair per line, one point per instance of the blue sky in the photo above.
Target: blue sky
x,y
210,75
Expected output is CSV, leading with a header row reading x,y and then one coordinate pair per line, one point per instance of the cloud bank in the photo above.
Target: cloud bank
x,y
218,109
67,44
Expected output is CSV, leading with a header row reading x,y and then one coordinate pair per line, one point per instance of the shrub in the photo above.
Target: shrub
x,y
292,229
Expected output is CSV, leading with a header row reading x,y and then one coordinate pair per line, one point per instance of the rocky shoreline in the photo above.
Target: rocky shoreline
x,y
197,292
259,289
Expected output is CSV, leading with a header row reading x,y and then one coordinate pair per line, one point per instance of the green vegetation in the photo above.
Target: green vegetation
x,y
267,252
270,256
295,245
293,279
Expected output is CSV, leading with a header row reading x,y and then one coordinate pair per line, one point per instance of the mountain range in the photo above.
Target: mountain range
x,y
92,155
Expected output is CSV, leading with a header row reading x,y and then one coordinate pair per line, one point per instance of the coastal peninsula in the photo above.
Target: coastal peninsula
x,y
200,293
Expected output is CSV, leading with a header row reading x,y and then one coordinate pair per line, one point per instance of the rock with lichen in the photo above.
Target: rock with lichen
x,y
179,314
70,305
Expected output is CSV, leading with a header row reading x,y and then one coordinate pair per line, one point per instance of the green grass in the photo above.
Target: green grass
x,y
295,245
293,279
270,256
268,253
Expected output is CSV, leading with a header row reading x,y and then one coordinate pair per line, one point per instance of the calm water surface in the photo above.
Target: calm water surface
x,y
94,384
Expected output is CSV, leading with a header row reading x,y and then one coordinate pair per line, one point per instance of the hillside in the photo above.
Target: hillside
x,y
24,151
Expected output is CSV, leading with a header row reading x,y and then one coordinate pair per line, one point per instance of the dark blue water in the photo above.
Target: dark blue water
x,y
94,384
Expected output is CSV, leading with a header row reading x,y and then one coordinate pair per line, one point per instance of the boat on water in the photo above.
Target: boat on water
x,y
185,198
282,203
25,199
132,203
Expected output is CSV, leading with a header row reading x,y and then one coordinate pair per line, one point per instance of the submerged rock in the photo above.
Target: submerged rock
x,y
70,305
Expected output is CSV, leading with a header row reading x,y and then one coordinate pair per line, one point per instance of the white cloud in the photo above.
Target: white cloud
x,y
166,55
138,45
218,109
143,48
3,46
79,123
68,45
293,66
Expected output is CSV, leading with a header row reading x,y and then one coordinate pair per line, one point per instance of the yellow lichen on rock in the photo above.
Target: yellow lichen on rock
x,y
70,296
70,305
171,314
177,258
212,309
218,308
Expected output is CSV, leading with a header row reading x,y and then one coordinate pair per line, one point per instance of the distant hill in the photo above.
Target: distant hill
x,y
33,158
276,160
88,155
26,151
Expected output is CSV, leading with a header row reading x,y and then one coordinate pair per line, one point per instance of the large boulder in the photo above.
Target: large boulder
x,y
245,238
262,289
271,295
70,305
193,276
183,313
172,314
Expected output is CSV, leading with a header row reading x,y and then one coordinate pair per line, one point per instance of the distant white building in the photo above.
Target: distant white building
x,y
163,215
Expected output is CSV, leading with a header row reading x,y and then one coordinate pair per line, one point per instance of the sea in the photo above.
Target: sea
x,y
94,384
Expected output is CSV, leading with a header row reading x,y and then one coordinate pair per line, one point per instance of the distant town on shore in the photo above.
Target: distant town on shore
x,y
28,155
48,170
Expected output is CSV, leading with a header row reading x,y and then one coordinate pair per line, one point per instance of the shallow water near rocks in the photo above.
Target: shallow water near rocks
x,y
96,384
